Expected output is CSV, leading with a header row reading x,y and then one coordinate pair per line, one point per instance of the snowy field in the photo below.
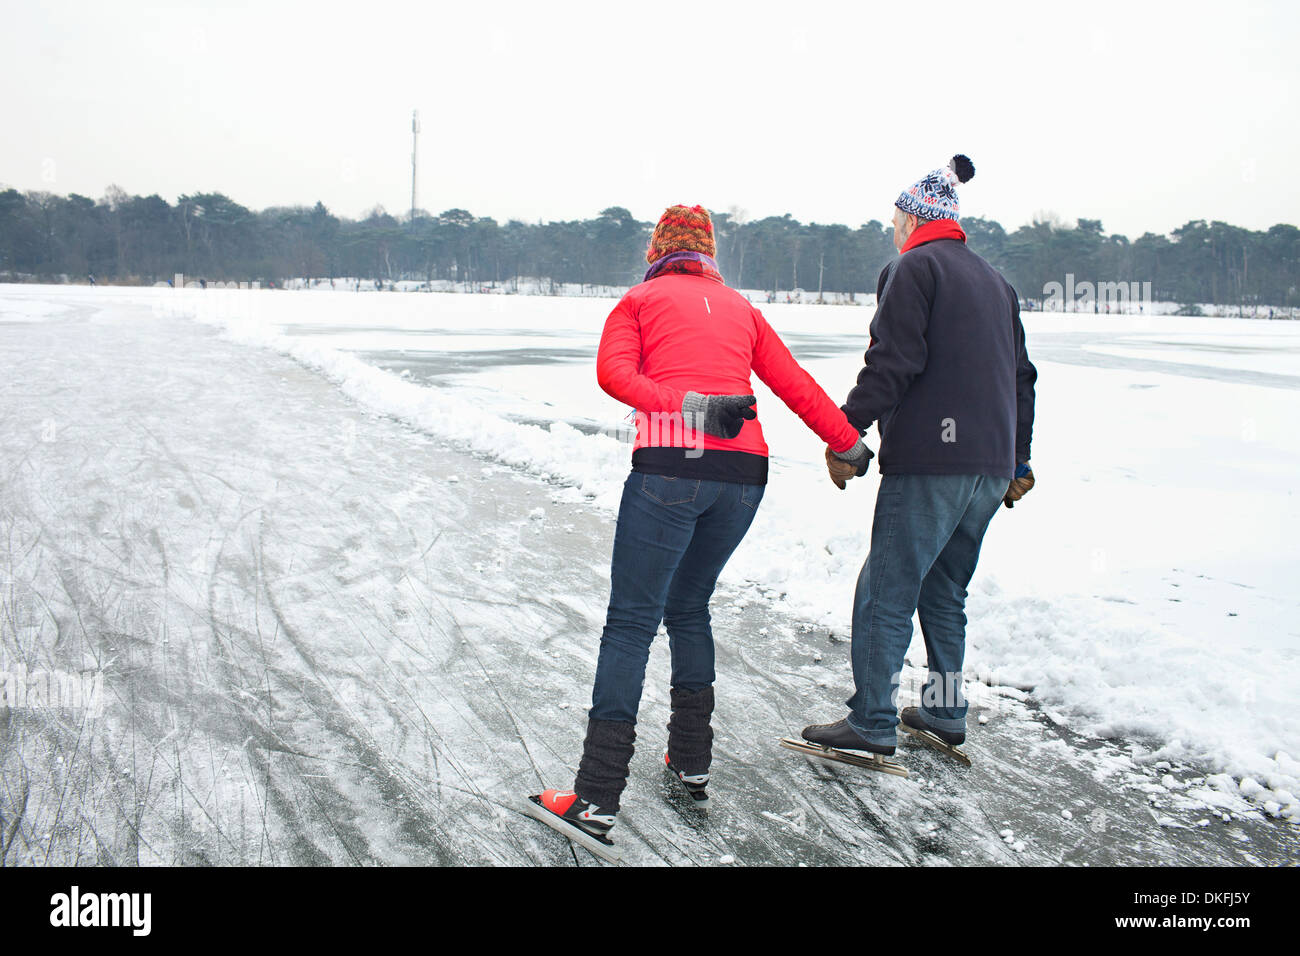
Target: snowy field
x,y
1134,625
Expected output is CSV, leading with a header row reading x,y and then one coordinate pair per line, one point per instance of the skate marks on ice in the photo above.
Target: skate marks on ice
x,y
268,584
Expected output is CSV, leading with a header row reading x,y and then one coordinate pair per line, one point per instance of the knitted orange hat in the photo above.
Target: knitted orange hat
x,y
682,229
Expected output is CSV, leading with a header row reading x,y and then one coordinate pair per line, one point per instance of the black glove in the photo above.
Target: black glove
x,y
722,416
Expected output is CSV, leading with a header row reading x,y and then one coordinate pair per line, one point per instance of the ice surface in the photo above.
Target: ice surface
x,y
1253,351
317,647
1158,599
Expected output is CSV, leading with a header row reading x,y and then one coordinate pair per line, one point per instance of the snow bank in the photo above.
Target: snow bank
x,y
555,452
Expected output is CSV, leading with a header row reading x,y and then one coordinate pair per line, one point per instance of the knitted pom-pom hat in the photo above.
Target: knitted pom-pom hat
x,y
934,196
682,229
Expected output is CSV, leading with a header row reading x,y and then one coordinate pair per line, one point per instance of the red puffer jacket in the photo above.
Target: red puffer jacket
x,y
690,333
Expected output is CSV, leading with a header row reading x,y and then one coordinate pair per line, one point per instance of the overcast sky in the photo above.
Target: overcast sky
x,y
1143,115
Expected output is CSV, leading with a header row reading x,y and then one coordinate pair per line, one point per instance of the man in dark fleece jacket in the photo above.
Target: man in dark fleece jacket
x,y
951,388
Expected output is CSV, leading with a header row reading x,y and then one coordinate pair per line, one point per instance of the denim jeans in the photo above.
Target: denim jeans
x,y
674,536
925,543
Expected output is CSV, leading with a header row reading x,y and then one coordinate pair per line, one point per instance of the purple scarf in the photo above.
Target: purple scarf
x,y
688,263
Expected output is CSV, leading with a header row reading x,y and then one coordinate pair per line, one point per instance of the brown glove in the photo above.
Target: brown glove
x,y
840,470
1019,486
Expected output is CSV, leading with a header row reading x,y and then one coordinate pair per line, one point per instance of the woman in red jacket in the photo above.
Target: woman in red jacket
x,y
679,348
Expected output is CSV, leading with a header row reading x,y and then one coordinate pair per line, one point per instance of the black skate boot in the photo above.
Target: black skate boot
x,y
913,718
840,736
696,784
912,721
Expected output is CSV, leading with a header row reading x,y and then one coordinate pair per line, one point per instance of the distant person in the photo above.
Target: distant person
x,y
91,277
679,348
203,283
951,388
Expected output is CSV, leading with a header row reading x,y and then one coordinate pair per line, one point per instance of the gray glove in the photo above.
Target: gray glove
x,y
859,456
722,416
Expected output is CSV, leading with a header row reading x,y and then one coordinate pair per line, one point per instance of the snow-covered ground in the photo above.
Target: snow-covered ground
x,y
1140,602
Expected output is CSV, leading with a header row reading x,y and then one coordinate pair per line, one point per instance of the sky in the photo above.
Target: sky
x,y
1144,115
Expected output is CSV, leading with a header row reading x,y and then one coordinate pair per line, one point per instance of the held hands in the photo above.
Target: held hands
x,y
722,416
1019,486
846,465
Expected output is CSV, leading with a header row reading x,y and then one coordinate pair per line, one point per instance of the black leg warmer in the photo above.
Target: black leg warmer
x,y
690,736
606,754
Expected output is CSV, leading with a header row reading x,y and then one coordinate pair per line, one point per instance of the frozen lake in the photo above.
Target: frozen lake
x,y
344,614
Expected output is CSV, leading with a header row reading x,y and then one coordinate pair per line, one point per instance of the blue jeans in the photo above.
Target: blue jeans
x,y
925,543
674,536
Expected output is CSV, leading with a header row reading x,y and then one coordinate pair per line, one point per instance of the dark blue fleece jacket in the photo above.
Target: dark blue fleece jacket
x,y
947,376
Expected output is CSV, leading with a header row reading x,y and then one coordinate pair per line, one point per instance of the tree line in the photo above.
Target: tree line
x,y
145,239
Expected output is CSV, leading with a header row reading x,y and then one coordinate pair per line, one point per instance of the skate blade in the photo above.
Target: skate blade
x,y
865,760
932,741
698,798
605,849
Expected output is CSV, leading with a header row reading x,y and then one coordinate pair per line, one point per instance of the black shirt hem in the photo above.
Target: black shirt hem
x,y
741,467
